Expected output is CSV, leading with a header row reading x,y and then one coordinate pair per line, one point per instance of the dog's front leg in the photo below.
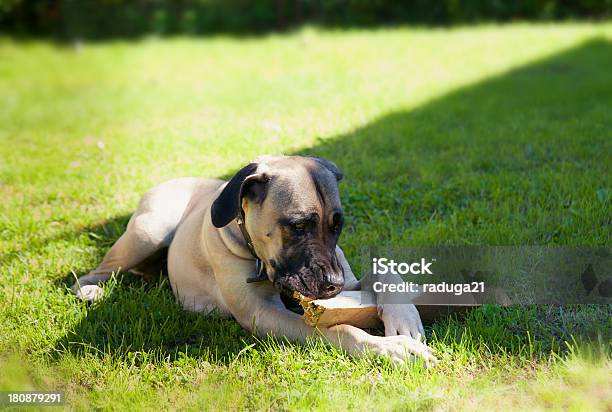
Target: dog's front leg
x,y
399,319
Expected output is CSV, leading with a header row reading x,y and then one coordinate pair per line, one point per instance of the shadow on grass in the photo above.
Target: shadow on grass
x,y
521,158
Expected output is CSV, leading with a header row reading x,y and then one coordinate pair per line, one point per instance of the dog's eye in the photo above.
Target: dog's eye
x,y
336,228
337,222
299,227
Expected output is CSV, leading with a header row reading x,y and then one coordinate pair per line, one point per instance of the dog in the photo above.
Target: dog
x,y
242,247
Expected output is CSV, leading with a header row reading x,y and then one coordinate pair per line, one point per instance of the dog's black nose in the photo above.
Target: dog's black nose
x,y
332,289
332,286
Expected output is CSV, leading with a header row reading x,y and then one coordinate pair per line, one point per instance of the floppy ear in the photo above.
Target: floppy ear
x,y
227,204
329,165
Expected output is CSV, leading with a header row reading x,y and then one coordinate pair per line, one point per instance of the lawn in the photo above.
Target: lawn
x,y
492,135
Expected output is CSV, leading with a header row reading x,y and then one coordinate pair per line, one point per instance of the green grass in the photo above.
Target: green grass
x,y
487,135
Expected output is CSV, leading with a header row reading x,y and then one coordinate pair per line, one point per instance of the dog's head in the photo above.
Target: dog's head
x,y
293,215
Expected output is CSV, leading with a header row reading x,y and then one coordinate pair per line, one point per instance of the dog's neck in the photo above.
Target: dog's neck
x,y
234,241
229,239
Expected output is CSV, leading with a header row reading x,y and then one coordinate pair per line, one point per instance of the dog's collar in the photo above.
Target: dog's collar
x,y
259,265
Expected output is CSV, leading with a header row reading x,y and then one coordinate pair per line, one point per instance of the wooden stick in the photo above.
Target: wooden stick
x,y
346,308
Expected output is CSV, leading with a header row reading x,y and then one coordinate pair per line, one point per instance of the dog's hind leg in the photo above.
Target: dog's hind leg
x,y
150,229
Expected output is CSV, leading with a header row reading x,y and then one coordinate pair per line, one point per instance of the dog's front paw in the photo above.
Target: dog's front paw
x,y
401,319
88,293
401,350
